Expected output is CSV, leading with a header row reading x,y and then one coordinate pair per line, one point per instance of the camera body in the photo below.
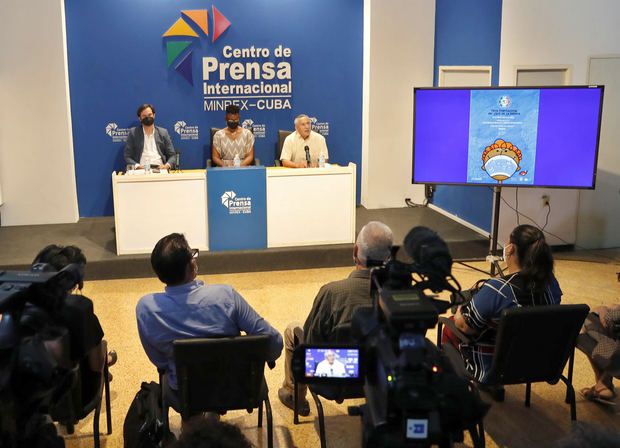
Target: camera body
x,y
413,396
35,368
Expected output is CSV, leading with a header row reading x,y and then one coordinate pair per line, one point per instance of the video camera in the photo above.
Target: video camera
x,y
413,396
35,369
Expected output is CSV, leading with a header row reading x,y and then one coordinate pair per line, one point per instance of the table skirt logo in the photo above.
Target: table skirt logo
x,y
237,205
322,127
259,130
182,37
117,134
186,132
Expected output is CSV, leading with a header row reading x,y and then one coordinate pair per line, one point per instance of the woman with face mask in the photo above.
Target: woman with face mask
x,y
530,282
233,140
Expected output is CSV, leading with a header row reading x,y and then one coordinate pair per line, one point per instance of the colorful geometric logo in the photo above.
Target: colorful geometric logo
x,y
186,31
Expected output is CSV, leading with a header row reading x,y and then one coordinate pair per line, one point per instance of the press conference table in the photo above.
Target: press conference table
x,y
305,206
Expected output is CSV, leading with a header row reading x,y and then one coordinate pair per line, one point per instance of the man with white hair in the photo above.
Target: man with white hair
x,y
330,367
294,148
335,304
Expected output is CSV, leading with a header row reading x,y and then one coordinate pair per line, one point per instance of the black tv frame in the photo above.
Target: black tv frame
x,y
598,135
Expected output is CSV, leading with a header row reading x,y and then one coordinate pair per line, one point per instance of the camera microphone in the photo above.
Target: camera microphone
x,y
428,250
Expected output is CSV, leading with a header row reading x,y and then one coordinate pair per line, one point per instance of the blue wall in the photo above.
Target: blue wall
x,y
118,60
467,33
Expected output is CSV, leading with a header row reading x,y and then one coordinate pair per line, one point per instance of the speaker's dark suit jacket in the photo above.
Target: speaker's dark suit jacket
x,y
135,145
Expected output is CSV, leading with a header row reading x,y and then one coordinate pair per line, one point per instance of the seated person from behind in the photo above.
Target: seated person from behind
x,y
293,150
233,140
530,282
190,309
330,366
335,304
149,144
77,313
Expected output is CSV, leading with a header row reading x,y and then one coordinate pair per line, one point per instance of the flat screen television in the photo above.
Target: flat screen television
x,y
507,136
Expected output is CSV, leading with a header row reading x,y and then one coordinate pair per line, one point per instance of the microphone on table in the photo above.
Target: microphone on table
x,y
307,155
178,153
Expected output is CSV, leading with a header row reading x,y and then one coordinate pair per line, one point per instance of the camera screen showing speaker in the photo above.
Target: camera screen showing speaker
x,y
528,137
332,362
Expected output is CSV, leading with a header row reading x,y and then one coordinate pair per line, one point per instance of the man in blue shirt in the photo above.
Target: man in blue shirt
x,y
190,309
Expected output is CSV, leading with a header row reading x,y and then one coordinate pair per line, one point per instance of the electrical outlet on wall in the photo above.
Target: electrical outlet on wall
x,y
545,200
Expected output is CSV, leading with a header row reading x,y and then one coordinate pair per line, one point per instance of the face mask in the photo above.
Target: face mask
x,y
232,124
504,251
147,121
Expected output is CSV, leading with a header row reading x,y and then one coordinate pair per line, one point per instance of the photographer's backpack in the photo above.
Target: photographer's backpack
x,y
144,424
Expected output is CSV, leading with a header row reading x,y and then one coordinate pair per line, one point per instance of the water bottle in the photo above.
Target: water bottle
x,y
236,161
322,160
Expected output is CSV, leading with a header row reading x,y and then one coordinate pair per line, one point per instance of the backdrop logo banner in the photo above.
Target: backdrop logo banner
x,y
117,134
190,59
258,129
322,127
186,132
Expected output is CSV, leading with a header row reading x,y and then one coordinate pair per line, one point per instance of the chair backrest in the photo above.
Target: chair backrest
x,y
212,133
534,343
220,374
282,134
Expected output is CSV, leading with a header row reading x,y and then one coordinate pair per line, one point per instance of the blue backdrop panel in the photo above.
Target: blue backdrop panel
x,y
237,208
468,33
119,58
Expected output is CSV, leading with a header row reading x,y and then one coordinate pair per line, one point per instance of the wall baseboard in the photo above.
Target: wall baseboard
x,y
460,220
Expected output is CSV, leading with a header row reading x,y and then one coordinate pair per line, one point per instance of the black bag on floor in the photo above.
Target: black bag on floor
x,y
144,423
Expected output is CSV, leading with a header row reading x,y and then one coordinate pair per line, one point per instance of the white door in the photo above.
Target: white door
x,y
598,224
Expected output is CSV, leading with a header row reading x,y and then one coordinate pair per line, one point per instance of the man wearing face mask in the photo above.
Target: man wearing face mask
x,y
294,148
149,144
233,140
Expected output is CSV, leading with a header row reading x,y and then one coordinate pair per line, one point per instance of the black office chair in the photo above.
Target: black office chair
x,y
255,162
282,134
533,345
220,375
329,392
84,397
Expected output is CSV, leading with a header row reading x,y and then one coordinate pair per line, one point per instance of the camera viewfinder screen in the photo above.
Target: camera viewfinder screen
x,y
332,362
526,137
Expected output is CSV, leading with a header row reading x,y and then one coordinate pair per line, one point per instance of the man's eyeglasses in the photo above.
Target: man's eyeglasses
x,y
194,253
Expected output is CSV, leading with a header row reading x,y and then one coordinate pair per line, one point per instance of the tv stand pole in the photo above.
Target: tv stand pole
x,y
493,243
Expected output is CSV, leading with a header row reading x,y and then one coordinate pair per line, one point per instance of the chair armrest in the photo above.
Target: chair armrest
x,y
452,326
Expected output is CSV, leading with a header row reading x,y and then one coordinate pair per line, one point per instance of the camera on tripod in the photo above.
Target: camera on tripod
x,y
35,367
413,395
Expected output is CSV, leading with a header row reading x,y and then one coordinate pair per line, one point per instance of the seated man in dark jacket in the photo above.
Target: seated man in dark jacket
x,y
149,144
336,303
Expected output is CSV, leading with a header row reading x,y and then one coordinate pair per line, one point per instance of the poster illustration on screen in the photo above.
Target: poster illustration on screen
x,y
503,128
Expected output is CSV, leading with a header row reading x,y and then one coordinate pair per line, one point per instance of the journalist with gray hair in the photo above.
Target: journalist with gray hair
x,y
335,304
